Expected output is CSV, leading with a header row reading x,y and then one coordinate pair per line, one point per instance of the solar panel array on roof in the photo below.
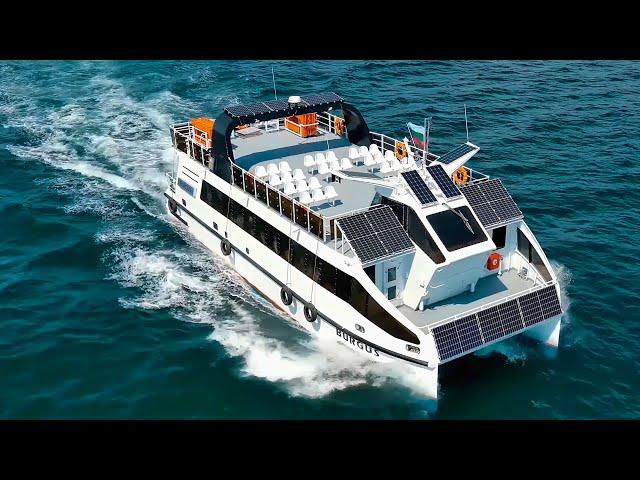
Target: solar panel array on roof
x,y
467,333
456,153
251,110
444,181
491,202
375,234
418,187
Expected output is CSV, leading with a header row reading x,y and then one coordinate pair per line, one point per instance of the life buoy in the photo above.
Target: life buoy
x,y
338,125
401,150
173,206
461,176
310,312
493,261
225,246
286,295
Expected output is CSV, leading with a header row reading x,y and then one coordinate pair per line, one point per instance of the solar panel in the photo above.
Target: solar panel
x,y
418,187
456,153
261,108
491,202
444,181
468,333
375,234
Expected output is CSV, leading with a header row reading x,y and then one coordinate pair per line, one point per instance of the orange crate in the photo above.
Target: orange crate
x,y
302,124
204,125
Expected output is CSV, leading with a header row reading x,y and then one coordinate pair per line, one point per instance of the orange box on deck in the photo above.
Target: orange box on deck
x,y
303,125
204,125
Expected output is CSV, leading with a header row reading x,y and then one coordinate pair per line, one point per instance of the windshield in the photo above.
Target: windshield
x,y
457,228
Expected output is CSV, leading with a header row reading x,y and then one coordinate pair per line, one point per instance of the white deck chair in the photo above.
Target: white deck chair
x,y
305,198
314,183
272,169
389,156
260,171
378,158
298,174
335,165
317,195
286,177
331,156
301,186
373,149
396,166
330,194
363,151
345,164
369,161
284,167
353,153
324,170
319,158
289,189
309,162
275,180
385,167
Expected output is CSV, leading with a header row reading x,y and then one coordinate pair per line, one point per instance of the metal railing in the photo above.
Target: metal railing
x,y
484,306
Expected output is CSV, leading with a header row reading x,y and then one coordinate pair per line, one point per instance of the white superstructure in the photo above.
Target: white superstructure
x,y
361,237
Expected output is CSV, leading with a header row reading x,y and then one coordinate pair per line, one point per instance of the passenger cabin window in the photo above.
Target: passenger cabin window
x,y
391,293
328,276
529,252
454,232
499,236
391,274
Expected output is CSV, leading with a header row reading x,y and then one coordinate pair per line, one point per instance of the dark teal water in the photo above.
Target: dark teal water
x,y
108,310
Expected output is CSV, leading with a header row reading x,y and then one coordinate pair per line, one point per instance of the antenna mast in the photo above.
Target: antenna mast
x,y
466,126
273,77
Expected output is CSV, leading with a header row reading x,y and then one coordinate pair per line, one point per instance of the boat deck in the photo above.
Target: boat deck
x,y
487,290
262,148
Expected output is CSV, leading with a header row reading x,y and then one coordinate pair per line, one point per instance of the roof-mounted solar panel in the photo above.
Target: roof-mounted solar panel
x,y
418,187
444,181
491,203
375,234
456,153
470,332
261,108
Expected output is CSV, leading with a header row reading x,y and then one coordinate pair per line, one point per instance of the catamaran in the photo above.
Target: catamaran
x,y
395,252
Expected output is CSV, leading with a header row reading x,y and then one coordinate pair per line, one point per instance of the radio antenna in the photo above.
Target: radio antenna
x,y
273,77
466,126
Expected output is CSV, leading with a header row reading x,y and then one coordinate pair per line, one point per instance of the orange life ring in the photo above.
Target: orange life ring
x,y
338,125
401,150
493,261
461,176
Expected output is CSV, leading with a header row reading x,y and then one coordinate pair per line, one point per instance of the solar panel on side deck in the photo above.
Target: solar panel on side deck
x,y
418,187
510,317
447,341
381,219
549,302
444,181
368,248
469,332
490,324
356,226
530,308
395,239
486,215
277,104
491,202
456,153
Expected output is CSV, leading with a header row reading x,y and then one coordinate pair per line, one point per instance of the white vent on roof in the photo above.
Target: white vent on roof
x,y
294,99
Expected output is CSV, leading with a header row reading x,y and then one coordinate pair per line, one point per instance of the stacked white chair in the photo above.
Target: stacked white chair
x,y
389,156
345,164
369,161
363,151
411,161
284,167
301,186
272,169
314,183
331,156
286,177
373,149
378,158
320,158
334,165
309,163
289,189
260,171
324,170
298,174
305,198
396,166
385,167
330,194
275,180
353,153
317,195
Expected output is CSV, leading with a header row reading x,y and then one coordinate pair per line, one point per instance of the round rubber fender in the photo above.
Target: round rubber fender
x,y
173,206
286,295
225,246
310,312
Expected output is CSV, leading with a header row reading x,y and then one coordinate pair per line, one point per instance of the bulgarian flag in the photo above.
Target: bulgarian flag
x,y
418,134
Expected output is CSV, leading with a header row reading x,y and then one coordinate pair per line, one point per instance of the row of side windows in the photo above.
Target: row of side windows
x,y
331,278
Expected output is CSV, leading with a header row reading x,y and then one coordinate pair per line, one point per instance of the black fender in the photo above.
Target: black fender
x,y
286,295
225,246
173,206
310,312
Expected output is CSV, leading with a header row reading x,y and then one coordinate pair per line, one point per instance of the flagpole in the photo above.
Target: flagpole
x,y
425,139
